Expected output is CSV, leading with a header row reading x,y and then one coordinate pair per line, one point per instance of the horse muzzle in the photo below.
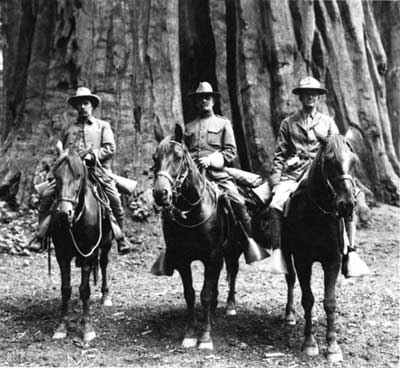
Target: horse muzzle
x,y
345,208
162,197
65,212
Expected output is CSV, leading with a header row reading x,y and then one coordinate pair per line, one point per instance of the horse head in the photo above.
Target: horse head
x,y
69,172
337,167
171,167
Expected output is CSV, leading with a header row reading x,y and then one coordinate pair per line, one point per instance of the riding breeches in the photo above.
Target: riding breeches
x,y
110,188
238,204
282,191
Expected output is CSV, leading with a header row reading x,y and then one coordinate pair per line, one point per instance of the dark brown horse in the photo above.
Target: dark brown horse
x,y
196,226
313,232
78,230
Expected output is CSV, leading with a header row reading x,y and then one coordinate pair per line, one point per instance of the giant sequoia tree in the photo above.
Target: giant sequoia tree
x,y
142,57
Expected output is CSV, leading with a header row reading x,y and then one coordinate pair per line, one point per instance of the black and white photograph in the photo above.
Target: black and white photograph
x,y
200,183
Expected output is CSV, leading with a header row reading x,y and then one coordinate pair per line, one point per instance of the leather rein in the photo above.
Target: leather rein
x,y
176,185
328,183
75,201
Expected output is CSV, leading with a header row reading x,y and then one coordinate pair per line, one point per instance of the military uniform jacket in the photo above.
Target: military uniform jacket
x,y
297,145
208,135
97,134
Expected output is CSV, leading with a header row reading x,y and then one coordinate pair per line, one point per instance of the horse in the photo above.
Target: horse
x,y
78,229
196,226
313,232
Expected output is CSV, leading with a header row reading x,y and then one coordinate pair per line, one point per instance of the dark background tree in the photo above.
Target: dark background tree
x,y
142,58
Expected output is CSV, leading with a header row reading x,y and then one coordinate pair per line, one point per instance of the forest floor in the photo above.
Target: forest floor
x,y
144,326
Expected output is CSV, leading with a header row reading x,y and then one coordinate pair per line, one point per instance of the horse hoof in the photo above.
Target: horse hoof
x,y
58,335
189,342
310,350
336,357
334,353
231,312
290,319
206,345
89,336
107,302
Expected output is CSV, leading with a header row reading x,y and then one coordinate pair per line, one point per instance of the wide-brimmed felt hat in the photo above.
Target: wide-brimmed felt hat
x,y
204,88
84,93
309,84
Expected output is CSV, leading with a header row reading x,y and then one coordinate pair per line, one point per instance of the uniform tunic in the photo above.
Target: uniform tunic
x,y
297,145
204,136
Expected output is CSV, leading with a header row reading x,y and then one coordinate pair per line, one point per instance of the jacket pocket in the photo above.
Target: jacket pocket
x,y
214,137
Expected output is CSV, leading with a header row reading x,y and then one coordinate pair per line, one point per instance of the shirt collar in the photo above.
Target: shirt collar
x,y
312,114
90,120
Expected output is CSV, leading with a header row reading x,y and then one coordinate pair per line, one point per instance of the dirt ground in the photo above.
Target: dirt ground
x,y
145,326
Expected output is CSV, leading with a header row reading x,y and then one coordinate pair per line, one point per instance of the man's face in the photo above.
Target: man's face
x,y
309,99
84,108
204,102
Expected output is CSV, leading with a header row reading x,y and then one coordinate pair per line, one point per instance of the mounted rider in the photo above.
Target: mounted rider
x,y
211,143
94,140
297,145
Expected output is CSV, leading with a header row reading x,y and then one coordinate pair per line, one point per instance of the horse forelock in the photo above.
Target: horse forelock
x,y
74,163
337,146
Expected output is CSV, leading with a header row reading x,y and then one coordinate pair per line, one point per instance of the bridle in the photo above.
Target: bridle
x,y
75,201
329,183
183,173
176,187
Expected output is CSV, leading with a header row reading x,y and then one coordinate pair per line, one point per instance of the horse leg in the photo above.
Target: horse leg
x,y
190,337
290,313
106,299
84,293
310,346
65,270
334,353
232,267
209,300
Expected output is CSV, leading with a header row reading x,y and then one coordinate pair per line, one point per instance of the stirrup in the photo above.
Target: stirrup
x,y
276,263
160,268
36,239
354,266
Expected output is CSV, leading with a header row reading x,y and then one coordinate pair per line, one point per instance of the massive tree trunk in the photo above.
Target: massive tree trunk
x,y
142,58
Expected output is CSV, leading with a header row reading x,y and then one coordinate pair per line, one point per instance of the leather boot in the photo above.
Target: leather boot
x,y
276,263
38,244
123,245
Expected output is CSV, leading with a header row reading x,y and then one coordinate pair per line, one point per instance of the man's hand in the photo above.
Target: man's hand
x,y
49,190
89,158
204,162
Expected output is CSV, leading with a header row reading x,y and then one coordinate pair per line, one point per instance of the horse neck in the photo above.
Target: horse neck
x,y
317,185
194,186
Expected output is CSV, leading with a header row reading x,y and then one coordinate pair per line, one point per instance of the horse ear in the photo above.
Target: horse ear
x,y
59,147
158,132
178,133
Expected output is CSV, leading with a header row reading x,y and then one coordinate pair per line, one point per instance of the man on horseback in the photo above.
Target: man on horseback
x,y
94,140
297,145
211,143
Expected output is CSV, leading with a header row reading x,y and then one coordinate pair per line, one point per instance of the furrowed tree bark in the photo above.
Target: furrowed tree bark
x,y
60,45
142,58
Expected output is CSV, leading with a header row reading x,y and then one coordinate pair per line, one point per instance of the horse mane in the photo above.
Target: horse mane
x,y
336,145
333,148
